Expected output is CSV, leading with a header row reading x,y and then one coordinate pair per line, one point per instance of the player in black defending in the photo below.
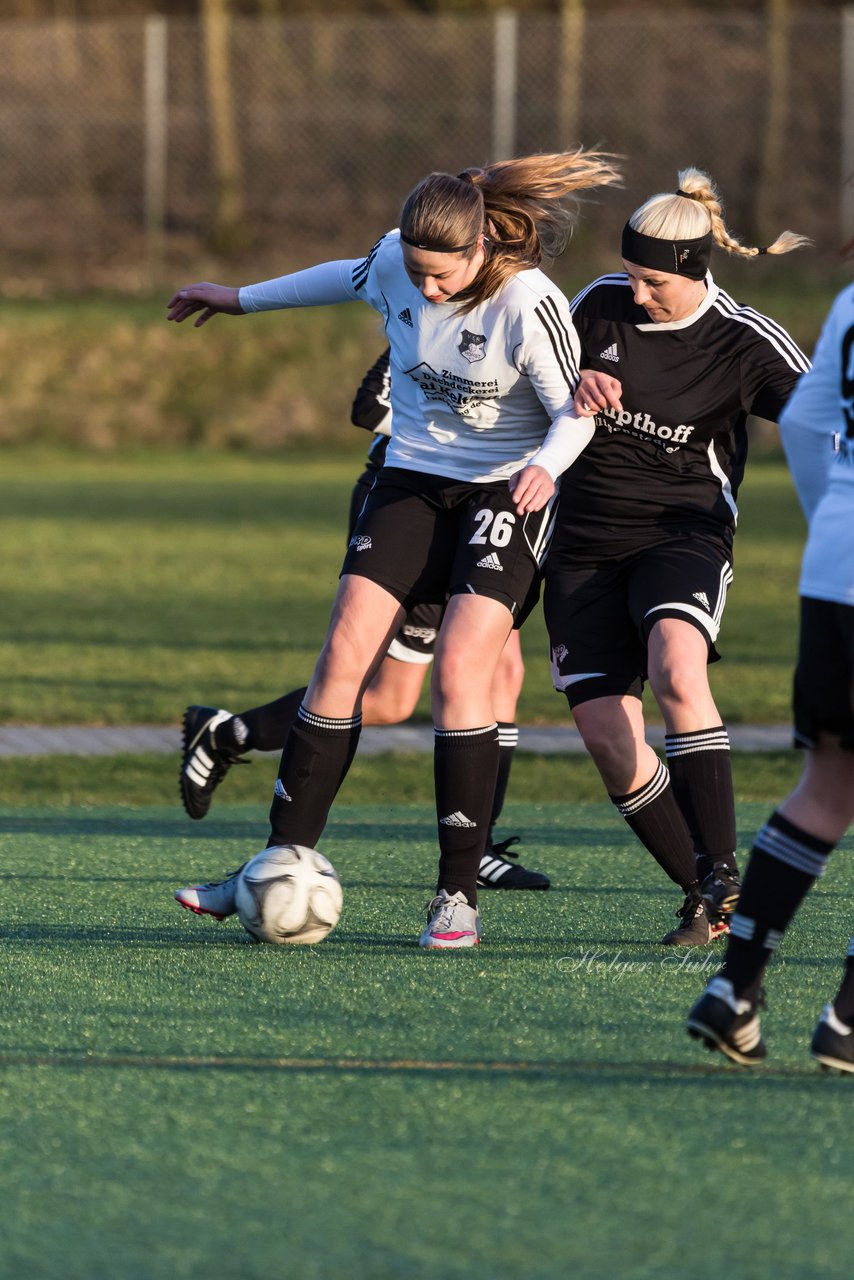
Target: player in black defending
x,y
638,572
792,849
214,739
483,375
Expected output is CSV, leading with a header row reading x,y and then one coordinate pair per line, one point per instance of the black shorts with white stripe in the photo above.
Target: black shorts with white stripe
x,y
599,616
427,537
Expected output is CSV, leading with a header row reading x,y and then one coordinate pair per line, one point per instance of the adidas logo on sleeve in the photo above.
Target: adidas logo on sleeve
x,y
610,353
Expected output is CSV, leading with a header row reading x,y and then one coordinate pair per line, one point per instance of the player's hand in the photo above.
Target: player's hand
x,y
597,391
531,489
208,299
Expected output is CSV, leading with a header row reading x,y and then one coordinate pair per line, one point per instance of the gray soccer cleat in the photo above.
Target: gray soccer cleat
x,y
214,899
451,922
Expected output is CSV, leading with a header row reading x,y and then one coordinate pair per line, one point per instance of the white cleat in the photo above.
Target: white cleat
x,y
215,899
451,922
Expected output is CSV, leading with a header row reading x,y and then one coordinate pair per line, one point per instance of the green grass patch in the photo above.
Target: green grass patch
x,y
103,372
106,373
136,584
71,781
177,1101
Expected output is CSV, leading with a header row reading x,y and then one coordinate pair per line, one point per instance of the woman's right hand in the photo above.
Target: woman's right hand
x,y
209,299
597,391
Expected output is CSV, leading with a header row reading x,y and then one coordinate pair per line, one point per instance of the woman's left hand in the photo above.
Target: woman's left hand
x,y
531,489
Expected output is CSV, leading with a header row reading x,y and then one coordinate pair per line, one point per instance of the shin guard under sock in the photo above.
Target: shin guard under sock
x,y
314,763
508,740
465,764
701,776
785,863
656,819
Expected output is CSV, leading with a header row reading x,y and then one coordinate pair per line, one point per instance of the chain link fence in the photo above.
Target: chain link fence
x,y
136,149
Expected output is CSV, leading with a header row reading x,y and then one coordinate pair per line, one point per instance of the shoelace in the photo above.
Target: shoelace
x,y
502,848
225,761
445,917
689,907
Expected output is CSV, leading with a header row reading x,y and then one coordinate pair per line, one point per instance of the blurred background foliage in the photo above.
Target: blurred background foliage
x,y
148,143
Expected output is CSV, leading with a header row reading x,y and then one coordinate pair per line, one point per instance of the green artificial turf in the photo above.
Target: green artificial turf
x,y
176,1101
136,584
72,781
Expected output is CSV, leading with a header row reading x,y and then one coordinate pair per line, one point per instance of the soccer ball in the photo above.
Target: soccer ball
x,y
288,893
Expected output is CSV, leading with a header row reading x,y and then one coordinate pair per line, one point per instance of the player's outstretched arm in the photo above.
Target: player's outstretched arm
x,y
207,299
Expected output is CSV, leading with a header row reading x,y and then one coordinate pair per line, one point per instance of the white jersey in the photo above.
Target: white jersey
x,y
818,430
476,395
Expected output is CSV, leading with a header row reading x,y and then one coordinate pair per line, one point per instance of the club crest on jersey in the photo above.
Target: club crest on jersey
x,y
473,346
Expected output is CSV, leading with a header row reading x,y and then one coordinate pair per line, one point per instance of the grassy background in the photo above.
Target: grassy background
x,y
136,583
104,372
176,1101
138,780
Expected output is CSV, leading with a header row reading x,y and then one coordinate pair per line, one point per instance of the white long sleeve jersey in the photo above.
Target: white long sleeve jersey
x,y
475,395
819,414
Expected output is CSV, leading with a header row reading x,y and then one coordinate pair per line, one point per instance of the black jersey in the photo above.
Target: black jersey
x,y
673,459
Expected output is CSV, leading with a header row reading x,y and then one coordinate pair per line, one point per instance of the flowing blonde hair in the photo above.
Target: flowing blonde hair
x,y
695,210
526,208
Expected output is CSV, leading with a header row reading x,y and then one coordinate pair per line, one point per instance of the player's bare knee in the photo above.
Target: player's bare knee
x,y
681,686
613,751
509,676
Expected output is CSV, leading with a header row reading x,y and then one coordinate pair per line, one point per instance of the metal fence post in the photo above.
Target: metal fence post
x,y
155,145
504,84
847,106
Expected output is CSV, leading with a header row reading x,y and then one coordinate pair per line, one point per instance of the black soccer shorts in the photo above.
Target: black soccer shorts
x,y
426,537
823,698
415,642
599,617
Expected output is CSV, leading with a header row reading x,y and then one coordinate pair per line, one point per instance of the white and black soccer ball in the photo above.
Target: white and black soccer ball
x,y
288,893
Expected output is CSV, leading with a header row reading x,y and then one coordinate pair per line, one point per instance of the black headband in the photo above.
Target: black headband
x,y
677,257
437,248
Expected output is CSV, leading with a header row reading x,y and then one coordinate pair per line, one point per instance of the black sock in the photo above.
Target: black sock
x,y
261,728
701,776
658,822
844,1003
785,863
465,763
314,763
508,740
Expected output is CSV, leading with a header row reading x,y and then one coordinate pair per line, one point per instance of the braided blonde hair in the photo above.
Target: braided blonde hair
x,y
695,210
